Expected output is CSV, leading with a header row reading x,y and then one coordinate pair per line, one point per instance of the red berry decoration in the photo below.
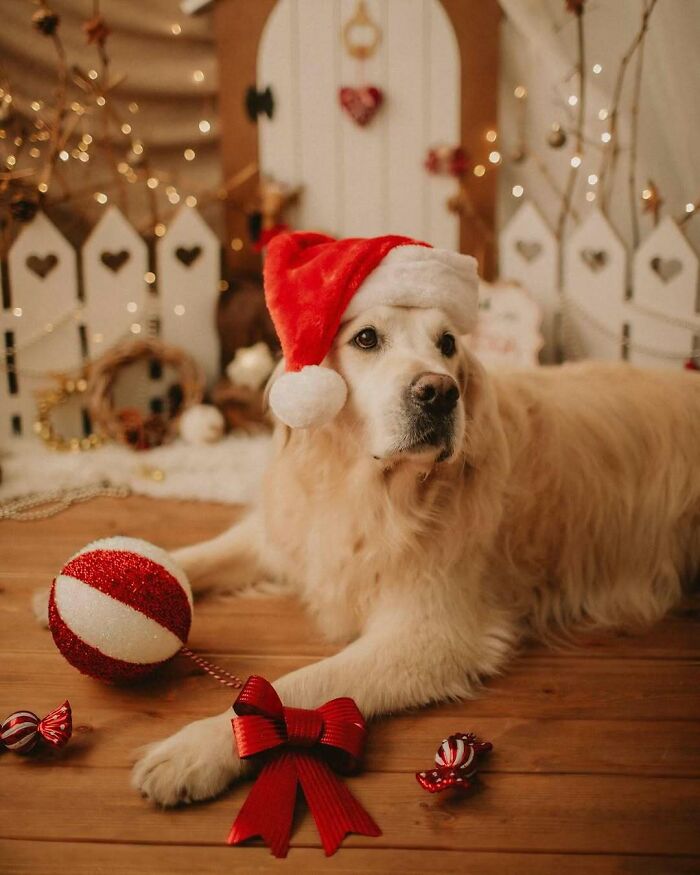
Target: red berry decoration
x,y
21,731
456,761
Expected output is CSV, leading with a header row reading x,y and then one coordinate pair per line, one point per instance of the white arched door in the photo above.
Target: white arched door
x,y
362,181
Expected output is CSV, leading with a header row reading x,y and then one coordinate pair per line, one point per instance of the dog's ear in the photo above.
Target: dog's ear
x,y
277,371
482,429
280,427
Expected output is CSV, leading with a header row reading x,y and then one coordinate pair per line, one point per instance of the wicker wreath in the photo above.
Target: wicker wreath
x,y
127,426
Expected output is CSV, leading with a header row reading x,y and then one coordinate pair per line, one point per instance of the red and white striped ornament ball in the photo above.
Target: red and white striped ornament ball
x,y
120,609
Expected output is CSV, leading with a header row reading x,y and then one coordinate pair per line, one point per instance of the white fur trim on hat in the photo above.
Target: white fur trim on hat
x,y
418,276
311,396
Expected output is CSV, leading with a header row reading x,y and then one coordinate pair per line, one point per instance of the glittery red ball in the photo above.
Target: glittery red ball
x,y
119,609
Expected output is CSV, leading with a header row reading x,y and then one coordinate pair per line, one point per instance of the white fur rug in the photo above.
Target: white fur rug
x,y
229,471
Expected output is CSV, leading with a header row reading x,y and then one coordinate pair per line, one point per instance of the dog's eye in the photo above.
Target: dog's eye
x,y
447,345
366,339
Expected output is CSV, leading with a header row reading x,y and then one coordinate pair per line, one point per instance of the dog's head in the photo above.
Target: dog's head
x,y
406,373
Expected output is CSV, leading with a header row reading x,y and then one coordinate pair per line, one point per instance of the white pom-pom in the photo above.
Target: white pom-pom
x,y
311,396
201,424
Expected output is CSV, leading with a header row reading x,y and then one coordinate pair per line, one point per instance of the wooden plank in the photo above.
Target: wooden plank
x,y
277,68
584,814
93,858
407,129
318,130
363,158
228,623
519,697
443,120
238,25
477,25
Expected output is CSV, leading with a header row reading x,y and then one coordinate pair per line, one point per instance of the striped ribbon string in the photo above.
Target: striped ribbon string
x,y
220,674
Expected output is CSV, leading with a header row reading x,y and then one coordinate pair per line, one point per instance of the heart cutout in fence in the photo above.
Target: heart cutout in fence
x,y
529,249
42,265
594,259
361,104
115,260
666,268
188,256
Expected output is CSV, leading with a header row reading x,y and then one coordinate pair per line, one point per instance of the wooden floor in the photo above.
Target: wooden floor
x,y
596,763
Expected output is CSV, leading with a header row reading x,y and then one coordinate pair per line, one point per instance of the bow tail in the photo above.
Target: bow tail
x,y
269,809
334,808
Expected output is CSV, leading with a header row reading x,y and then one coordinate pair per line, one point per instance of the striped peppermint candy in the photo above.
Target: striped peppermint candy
x,y
455,752
119,609
20,731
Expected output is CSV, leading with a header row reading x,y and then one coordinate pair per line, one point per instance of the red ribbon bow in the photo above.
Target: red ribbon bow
x,y
299,746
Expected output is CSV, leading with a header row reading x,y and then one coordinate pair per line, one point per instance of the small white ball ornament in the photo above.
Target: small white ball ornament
x,y
119,609
202,424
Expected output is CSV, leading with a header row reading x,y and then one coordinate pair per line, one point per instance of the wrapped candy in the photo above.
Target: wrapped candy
x,y
456,763
22,730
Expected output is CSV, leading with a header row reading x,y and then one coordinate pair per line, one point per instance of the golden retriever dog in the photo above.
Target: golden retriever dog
x,y
445,515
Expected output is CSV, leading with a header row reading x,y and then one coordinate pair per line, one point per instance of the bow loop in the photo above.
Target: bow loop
x,y
258,696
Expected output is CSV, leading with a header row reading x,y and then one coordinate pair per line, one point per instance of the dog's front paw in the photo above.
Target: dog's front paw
x,y
198,762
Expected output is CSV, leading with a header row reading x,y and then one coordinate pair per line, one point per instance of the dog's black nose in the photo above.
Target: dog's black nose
x,y
436,394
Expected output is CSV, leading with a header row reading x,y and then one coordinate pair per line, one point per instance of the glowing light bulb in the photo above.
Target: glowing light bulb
x,y
191,200
573,100
520,91
36,105
132,307
606,136
590,196
63,155
602,114
152,182
175,29
126,128
597,69
592,179
179,310
491,136
204,126
92,74
576,161
518,191
135,328
495,157
101,197
479,170
198,76
189,154
149,277
690,208
100,101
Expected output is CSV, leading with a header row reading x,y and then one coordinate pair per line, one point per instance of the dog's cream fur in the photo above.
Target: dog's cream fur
x,y
572,497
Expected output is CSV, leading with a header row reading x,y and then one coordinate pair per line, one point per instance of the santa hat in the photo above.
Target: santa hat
x,y
313,283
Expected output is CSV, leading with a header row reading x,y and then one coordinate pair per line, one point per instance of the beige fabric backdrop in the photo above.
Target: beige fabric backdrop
x,y
159,70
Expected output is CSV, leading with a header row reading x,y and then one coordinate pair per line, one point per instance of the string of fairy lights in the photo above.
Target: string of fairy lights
x,y
603,143
85,121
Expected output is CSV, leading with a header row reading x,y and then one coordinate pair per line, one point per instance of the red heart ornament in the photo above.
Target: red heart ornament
x,y
361,104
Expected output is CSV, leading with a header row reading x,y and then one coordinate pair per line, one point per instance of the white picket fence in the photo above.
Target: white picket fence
x,y
61,308
643,307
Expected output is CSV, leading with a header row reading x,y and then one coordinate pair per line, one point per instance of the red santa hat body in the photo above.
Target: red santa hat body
x,y
314,283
